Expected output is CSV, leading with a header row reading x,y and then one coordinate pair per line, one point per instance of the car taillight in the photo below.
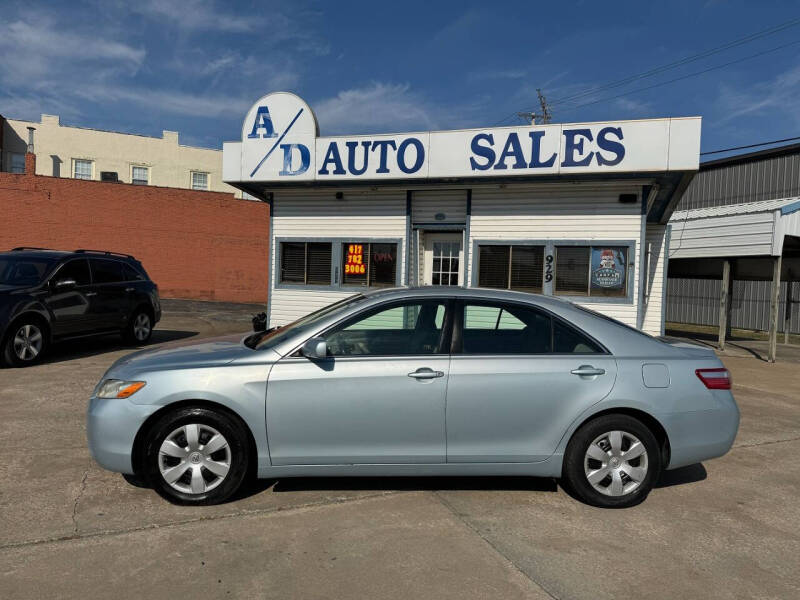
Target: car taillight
x,y
715,379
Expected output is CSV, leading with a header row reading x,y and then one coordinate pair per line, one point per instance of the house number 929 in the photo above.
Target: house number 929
x,y
548,268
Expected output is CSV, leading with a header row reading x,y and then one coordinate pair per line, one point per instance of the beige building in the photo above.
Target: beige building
x,y
83,153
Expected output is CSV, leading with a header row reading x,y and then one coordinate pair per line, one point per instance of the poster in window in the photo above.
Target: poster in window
x,y
608,268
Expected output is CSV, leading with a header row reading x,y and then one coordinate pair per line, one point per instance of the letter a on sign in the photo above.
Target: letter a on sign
x,y
263,121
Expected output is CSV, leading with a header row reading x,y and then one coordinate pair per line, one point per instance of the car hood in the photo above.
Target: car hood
x,y
209,352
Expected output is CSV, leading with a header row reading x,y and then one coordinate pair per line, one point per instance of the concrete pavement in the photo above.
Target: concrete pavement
x,y
725,529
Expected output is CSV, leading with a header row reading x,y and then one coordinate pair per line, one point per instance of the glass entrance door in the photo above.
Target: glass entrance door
x,y
443,258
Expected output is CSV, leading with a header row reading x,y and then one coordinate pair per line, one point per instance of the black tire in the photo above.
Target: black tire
x,y
574,475
31,329
238,459
133,332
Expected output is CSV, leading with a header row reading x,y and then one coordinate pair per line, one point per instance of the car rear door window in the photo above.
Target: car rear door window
x,y
76,270
568,340
131,274
505,329
412,328
106,271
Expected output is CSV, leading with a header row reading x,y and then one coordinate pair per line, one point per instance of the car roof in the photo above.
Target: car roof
x,y
465,292
37,253
59,254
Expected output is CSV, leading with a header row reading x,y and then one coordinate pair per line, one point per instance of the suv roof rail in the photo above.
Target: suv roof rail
x,y
104,252
21,248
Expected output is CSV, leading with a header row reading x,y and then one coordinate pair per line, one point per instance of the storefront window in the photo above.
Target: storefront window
x,y
369,264
307,263
599,271
513,267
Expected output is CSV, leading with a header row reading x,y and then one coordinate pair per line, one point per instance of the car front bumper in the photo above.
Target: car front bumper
x,y
111,427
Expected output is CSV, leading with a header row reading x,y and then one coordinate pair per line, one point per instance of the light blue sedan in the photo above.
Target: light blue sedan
x,y
428,381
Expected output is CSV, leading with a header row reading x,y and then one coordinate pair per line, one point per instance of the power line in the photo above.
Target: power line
x,y
728,45
791,139
695,74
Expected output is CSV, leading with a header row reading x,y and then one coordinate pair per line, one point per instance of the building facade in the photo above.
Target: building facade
x,y
194,244
577,211
735,252
96,155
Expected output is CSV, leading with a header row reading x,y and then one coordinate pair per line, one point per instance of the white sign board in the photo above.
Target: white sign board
x,y
281,143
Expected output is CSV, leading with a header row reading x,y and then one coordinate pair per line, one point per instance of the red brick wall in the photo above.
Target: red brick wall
x,y
199,245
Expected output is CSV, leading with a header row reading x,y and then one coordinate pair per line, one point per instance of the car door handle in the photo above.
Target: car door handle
x,y
89,294
129,289
588,370
425,373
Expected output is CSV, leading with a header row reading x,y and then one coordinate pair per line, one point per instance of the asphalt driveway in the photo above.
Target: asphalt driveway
x,y
729,528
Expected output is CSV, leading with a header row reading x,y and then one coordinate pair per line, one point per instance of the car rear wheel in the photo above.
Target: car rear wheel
x,y
196,456
613,462
25,343
140,328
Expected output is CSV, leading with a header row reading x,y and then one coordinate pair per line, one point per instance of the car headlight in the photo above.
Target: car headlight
x,y
116,388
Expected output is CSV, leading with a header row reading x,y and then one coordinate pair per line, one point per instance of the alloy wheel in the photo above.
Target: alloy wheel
x,y
616,463
194,458
141,327
28,342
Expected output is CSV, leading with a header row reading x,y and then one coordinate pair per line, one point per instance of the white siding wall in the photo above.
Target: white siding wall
x,y
655,243
426,205
734,235
317,214
560,212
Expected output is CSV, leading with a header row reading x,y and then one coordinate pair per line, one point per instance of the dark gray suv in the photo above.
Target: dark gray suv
x,y
51,295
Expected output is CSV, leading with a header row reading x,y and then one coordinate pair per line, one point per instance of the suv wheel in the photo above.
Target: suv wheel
x,y
25,343
612,462
196,456
139,328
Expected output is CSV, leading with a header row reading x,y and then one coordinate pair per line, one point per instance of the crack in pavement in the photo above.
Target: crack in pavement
x,y
461,518
766,443
231,515
78,499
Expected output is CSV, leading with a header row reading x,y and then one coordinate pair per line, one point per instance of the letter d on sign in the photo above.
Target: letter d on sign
x,y
305,159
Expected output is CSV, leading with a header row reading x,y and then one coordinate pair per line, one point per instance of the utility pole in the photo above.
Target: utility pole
x,y
544,117
545,109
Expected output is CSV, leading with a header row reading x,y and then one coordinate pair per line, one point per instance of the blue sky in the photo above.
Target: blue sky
x,y
196,66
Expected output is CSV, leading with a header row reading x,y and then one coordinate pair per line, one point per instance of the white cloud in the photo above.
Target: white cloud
x,y
195,15
167,101
37,53
377,107
767,98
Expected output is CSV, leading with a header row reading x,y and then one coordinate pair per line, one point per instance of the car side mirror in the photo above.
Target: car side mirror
x,y
66,284
315,348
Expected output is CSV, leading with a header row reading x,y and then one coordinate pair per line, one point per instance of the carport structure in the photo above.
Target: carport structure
x,y
750,242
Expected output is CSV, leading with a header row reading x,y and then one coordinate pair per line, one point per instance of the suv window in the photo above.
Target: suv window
x,y
77,270
130,273
106,271
410,328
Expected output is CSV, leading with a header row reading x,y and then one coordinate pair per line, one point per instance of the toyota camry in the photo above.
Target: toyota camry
x,y
411,382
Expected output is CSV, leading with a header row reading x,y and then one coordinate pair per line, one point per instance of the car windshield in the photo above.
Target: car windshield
x,y
276,335
20,270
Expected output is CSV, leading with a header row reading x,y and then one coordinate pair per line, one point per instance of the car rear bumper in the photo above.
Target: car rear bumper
x,y
702,435
111,427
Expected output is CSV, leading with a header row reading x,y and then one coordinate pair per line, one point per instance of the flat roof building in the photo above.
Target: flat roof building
x,y
735,250
578,210
94,154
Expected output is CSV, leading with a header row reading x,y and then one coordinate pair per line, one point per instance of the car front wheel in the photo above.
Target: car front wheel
x,y
612,462
196,456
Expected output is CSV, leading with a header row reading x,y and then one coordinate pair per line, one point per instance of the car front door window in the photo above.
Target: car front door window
x,y
402,330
